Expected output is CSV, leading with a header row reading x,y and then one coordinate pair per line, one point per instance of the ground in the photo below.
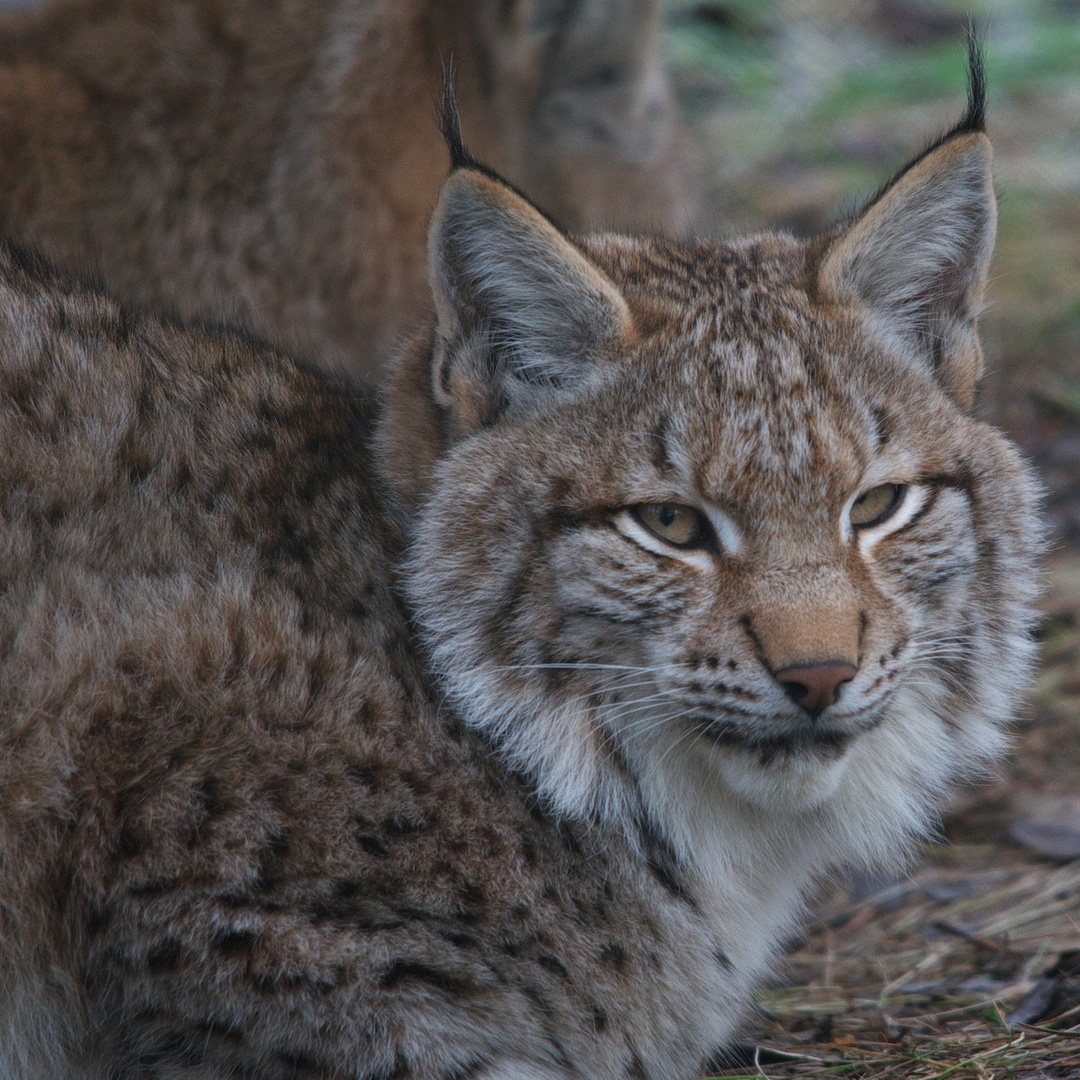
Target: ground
x,y
970,965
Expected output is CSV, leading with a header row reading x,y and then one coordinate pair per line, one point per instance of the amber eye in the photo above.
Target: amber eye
x,y
877,505
681,526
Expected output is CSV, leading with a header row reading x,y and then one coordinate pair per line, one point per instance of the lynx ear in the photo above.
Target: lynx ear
x,y
522,313
918,256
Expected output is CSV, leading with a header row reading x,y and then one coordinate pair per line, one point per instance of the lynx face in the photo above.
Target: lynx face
x,y
716,533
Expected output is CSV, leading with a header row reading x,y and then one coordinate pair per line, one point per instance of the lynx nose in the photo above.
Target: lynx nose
x,y
815,686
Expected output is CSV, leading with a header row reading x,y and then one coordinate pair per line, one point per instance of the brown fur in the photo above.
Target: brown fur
x,y
412,753
277,163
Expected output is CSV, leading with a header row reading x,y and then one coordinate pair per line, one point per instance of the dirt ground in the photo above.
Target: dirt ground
x,y
970,965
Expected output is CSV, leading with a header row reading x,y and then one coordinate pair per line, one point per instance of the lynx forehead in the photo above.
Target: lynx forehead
x,y
497,737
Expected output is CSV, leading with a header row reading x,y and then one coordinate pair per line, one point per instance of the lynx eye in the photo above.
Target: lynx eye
x,y
680,526
877,505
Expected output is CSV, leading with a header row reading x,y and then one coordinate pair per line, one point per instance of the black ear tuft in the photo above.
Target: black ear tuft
x,y
973,121
975,117
460,158
450,123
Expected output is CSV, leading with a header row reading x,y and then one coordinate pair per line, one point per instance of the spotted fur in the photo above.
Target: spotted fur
x,y
401,748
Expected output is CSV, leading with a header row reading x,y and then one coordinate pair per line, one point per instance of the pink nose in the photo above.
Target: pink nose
x,y
815,686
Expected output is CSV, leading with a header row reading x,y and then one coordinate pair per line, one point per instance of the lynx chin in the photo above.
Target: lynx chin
x,y
493,731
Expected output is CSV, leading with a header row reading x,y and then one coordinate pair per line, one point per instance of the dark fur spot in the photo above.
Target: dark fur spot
x,y
236,900
662,861
364,774
235,941
658,446
297,1061
221,1029
213,799
615,954
569,838
881,427
553,963
723,959
316,680
416,782
456,937
275,847
371,844
538,1000
97,922
273,850
598,1017
166,957
399,826
403,971
129,844
153,887
455,730
472,895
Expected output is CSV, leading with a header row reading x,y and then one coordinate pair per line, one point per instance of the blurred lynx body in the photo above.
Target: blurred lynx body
x,y
502,739
278,163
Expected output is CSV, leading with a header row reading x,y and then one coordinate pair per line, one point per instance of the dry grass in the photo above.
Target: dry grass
x,y
936,976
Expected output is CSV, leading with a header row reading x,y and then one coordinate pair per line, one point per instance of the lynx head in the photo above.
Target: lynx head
x,y
709,531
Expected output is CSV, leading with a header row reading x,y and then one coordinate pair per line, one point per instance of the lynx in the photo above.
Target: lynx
x,y
495,730
277,163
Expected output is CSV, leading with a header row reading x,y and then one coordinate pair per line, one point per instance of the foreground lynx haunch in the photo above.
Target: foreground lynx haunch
x,y
278,160
497,738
